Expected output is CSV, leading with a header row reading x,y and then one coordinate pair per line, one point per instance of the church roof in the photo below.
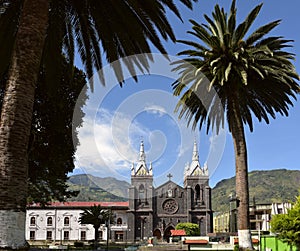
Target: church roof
x,y
195,169
81,204
178,232
141,167
169,183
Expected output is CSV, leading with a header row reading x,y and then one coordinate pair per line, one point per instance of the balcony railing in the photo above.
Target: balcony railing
x,y
118,227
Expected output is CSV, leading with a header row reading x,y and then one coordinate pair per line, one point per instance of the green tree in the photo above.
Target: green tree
x,y
96,216
53,136
236,78
191,229
33,36
287,226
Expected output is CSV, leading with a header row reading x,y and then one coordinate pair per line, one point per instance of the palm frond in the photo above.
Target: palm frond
x,y
243,28
254,74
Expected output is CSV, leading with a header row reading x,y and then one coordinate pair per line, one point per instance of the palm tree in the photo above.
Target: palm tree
x,y
33,36
96,216
236,78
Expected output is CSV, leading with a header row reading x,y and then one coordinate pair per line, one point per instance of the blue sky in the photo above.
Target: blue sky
x,y
117,119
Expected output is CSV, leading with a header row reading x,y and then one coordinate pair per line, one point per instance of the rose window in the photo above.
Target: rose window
x,y
170,206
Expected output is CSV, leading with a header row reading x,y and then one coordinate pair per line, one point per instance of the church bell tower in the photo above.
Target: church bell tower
x,y
140,213
196,183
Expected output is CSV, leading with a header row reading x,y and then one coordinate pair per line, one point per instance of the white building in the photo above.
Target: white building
x,y
260,217
58,223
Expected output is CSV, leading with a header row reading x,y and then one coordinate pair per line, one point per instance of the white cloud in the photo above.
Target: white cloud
x,y
106,143
182,150
155,109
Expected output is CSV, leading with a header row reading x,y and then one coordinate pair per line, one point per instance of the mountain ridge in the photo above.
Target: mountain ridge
x,y
265,186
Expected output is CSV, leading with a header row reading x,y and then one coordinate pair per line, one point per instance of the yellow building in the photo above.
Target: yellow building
x,y
221,222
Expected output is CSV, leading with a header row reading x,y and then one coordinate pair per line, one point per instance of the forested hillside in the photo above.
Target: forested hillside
x,y
278,185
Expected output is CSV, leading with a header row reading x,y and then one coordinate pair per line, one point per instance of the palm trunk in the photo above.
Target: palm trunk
x,y
242,188
96,236
15,123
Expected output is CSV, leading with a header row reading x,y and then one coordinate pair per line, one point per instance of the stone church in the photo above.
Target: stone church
x,y
156,211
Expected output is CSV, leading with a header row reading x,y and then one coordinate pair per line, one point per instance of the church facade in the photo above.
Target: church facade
x,y
150,211
156,211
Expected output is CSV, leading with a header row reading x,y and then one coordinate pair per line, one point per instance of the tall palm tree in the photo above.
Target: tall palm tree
x,y
95,216
34,33
237,78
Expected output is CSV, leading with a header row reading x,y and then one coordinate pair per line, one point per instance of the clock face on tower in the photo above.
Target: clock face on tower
x,y
170,206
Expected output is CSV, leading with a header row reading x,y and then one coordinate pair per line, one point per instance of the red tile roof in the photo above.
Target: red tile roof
x,y
84,204
201,242
254,241
178,232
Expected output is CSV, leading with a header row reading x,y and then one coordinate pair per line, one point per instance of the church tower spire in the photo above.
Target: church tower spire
x,y
141,167
142,152
195,152
194,169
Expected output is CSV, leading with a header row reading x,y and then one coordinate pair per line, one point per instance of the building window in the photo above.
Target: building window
x,y
83,235
32,221
66,235
49,221
100,236
32,235
141,193
119,221
49,235
66,221
119,236
197,189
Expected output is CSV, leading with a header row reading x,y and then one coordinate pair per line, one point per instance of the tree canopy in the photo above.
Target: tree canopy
x,y
227,75
191,229
34,35
287,226
53,139
95,30
96,215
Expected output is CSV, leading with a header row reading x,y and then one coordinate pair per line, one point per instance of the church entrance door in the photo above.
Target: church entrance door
x,y
157,234
167,233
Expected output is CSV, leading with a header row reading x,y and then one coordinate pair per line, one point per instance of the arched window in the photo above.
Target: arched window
x,y
49,221
119,221
141,192
197,190
32,221
66,221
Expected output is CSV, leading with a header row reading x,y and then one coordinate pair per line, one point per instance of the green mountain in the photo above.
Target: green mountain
x,y
278,185
93,188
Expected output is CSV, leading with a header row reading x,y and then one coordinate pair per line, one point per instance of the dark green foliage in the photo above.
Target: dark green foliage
x,y
78,244
95,29
51,151
191,229
278,185
256,73
287,226
96,216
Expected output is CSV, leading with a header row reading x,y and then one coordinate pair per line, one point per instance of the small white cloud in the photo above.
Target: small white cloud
x,y
155,109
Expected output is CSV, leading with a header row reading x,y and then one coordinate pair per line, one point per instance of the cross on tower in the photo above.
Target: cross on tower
x,y
169,176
